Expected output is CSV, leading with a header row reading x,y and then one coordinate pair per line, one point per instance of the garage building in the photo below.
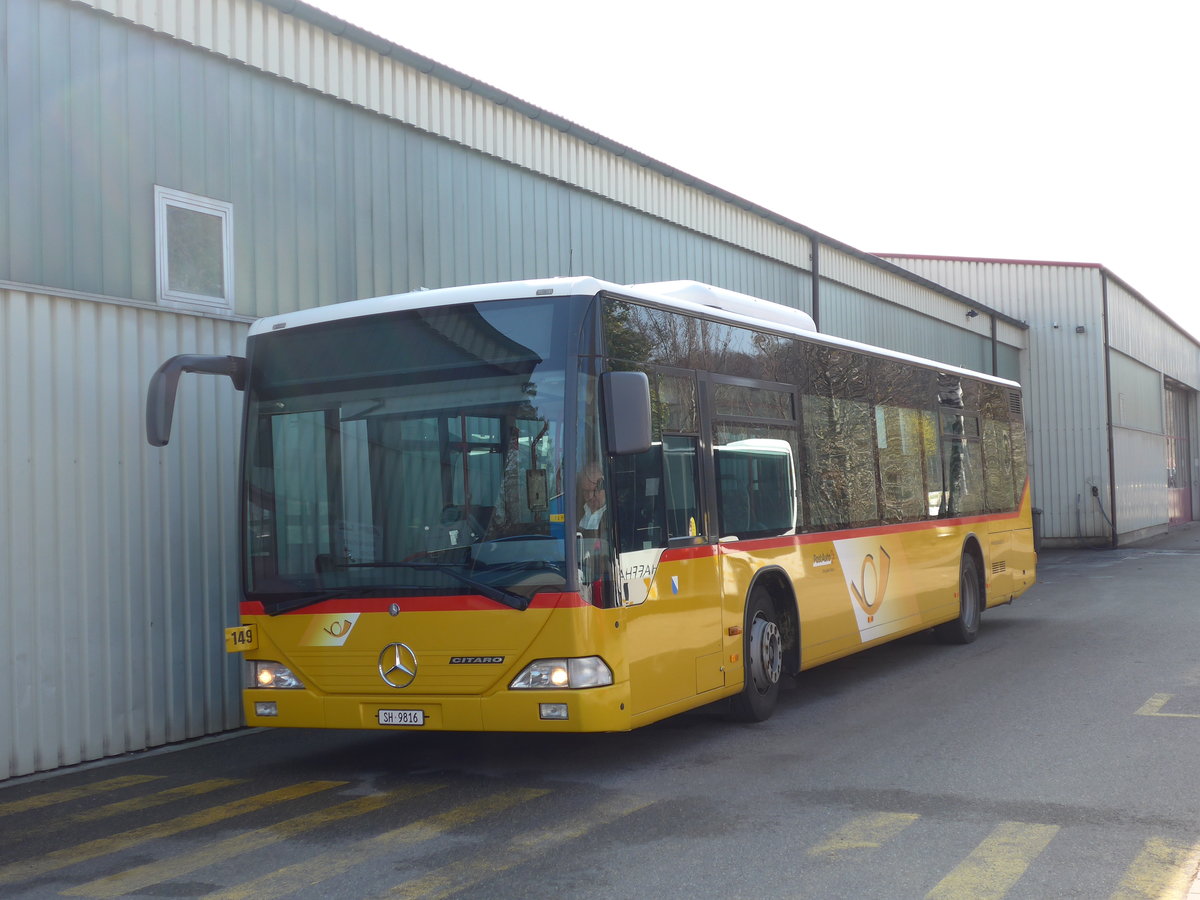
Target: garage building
x,y
174,170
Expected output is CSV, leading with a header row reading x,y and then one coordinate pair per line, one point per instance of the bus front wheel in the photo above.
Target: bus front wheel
x,y
965,628
762,660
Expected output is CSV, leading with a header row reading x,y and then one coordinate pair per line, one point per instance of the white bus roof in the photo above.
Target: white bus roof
x,y
686,296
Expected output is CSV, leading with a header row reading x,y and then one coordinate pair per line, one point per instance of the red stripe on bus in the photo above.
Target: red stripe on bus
x,y
821,537
697,552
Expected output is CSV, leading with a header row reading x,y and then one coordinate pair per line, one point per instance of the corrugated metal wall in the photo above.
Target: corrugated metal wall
x,y
264,37
1139,448
1139,460
331,202
117,561
1142,334
853,314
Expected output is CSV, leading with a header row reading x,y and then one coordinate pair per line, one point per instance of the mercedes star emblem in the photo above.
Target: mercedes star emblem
x,y
397,665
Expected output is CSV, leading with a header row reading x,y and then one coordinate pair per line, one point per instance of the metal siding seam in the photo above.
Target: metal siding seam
x,y
8,618
206,24
16,455
288,47
159,13
238,21
270,48
341,83
254,35
387,91
44,618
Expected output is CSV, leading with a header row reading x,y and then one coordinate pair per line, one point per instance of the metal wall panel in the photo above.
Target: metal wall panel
x,y
268,39
1139,458
1139,444
1137,394
850,313
1023,290
1139,331
117,561
862,275
330,202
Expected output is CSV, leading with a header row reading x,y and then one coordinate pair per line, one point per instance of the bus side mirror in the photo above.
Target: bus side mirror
x,y
626,398
160,397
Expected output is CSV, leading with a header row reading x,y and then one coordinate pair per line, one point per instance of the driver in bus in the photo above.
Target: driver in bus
x,y
593,517
594,496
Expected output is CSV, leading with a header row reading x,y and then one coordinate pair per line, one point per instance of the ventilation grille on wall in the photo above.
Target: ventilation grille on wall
x,y
1014,402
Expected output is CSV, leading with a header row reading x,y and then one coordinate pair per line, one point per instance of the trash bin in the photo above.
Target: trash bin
x,y
1037,530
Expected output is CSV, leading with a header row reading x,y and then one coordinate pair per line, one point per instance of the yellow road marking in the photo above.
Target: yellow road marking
x,y
864,833
220,851
461,875
69,856
1162,871
329,865
996,864
43,800
136,804
1154,705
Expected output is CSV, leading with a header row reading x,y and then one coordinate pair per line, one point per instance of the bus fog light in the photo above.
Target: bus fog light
x,y
266,708
580,672
552,711
268,674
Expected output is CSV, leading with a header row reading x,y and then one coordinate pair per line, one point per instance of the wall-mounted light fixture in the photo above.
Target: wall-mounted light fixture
x,y
972,313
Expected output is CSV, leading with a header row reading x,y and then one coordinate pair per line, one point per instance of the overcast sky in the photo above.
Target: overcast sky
x,y
1028,129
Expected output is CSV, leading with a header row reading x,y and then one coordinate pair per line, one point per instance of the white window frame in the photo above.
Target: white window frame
x,y
165,198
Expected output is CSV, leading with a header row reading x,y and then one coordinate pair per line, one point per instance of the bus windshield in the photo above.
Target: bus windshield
x,y
415,452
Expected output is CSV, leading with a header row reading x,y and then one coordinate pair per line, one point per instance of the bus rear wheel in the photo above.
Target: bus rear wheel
x,y
762,660
965,628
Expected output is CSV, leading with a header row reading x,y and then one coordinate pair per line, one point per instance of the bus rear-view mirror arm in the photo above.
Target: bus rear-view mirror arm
x,y
160,397
626,397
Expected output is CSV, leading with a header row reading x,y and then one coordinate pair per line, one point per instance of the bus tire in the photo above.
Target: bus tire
x,y
762,660
965,628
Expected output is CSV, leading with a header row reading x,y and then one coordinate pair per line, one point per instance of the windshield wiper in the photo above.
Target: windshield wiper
x,y
299,601
500,595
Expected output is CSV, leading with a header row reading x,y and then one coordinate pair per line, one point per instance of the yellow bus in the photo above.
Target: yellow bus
x,y
570,505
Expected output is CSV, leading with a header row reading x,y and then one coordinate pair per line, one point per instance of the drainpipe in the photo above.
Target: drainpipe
x,y
995,354
816,283
1112,457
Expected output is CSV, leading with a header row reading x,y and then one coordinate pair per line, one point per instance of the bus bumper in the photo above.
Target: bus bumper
x,y
593,709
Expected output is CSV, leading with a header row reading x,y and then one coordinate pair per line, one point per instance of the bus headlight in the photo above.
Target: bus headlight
x,y
264,673
580,672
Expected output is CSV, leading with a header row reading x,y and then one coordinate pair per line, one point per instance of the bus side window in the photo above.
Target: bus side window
x,y
682,476
755,487
637,498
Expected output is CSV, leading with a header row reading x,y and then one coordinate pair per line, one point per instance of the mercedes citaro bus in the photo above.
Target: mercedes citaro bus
x,y
570,505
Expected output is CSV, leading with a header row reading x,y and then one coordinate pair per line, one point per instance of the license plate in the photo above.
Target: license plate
x,y
402,717
243,637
